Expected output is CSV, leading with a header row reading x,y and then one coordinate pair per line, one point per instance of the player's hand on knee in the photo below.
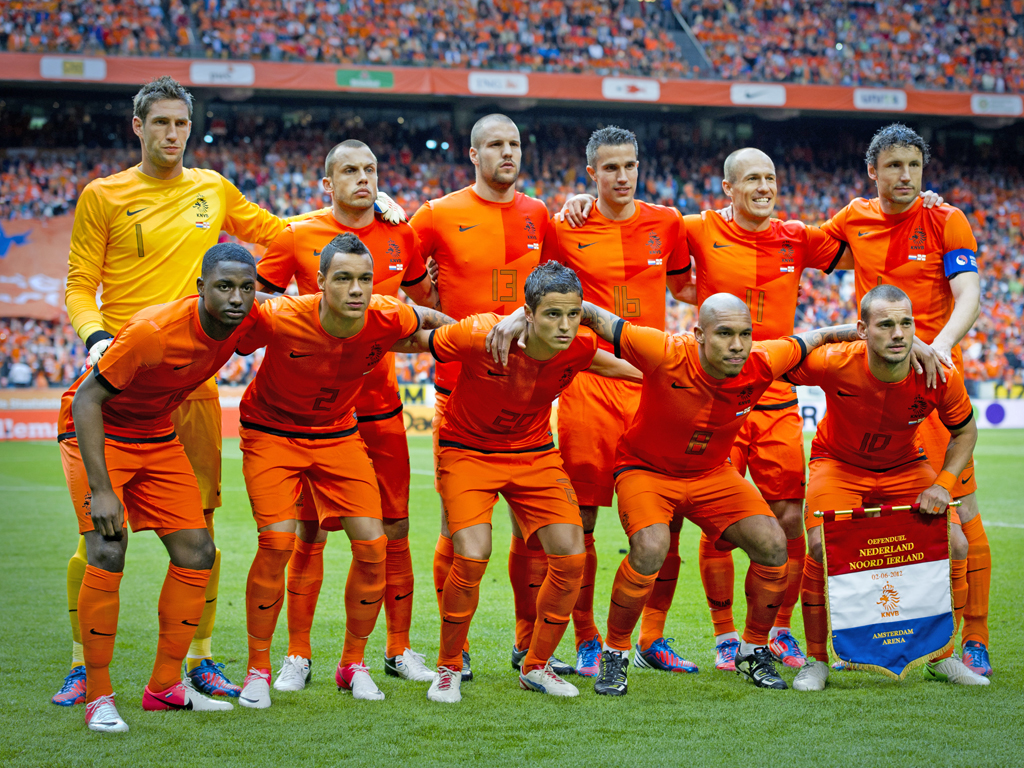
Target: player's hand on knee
x,y
499,338
930,199
107,514
933,500
576,210
926,360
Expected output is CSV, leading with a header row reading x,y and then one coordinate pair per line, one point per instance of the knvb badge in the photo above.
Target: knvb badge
x,y
887,590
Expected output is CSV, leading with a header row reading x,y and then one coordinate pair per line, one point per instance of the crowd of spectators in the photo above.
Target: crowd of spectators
x,y
954,44
281,168
39,353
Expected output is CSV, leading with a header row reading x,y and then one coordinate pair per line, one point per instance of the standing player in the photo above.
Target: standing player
x,y
674,460
297,421
495,438
868,451
124,464
624,254
760,260
931,254
350,178
485,240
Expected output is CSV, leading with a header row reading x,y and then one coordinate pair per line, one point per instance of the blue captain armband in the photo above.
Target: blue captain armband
x,y
960,260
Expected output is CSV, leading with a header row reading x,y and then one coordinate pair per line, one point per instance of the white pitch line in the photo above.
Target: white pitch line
x,y
993,524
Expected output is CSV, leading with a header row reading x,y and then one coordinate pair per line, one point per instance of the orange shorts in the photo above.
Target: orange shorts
x,y
340,477
440,398
771,445
593,414
154,482
198,426
835,485
713,501
388,449
935,437
534,484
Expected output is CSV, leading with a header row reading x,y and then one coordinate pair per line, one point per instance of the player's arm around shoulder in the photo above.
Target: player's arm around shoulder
x,y
429,320
608,365
786,354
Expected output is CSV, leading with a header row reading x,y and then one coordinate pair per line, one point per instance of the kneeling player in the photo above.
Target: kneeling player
x,y
495,437
674,460
297,424
867,451
124,465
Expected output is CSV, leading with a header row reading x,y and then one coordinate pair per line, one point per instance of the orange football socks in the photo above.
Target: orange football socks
x,y
630,591
765,586
98,606
460,597
180,608
398,595
815,621
718,575
526,571
264,594
364,593
555,601
583,611
797,551
305,578
652,626
979,580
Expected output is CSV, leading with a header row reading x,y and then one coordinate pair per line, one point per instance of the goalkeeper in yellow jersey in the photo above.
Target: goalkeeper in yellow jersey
x,y
139,237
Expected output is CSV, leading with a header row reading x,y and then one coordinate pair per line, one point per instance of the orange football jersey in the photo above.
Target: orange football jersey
x,y
157,359
309,380
503,409
918,250
623,264
295,252
484,253
873,424
396,263
687,421
763,269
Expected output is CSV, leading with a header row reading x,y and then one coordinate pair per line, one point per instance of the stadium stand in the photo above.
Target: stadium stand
x,y
957,45
277,163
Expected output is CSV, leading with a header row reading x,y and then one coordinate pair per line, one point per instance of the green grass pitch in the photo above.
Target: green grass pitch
x,y
706,719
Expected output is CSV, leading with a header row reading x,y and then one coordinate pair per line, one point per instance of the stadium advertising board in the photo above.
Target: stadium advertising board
x,y
272,75
990,414
34,266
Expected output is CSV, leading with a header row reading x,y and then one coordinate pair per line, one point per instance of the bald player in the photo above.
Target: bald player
x,y
931,253
485,240
697,391
350,178
760,259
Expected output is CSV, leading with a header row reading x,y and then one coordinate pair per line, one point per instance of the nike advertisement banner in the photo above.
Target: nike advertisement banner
x,y
888,589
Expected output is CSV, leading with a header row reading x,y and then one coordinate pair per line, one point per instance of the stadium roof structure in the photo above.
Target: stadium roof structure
x,y
435,81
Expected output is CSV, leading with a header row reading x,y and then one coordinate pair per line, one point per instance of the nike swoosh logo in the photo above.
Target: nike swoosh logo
x,y
186,365
680,386
978,570
843,394
293,355
189,623
620,605
402,597
449,621
371,602
534,586
965,482
861,234
775,606
440,590
101,634
586,586
492,373
268,607
132,213
211,601
716,245
556,623
466,229
581,246
657,579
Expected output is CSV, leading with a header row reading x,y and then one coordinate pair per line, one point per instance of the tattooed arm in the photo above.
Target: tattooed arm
x,y
600,321
430,320
832,335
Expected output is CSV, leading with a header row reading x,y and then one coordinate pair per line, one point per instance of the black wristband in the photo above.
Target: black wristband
x,y
97,336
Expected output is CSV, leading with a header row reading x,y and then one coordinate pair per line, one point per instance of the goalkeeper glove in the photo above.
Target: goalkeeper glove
x,y
98,343
389,209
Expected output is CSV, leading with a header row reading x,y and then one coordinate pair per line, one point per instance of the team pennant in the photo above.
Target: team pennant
x,y
888,589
